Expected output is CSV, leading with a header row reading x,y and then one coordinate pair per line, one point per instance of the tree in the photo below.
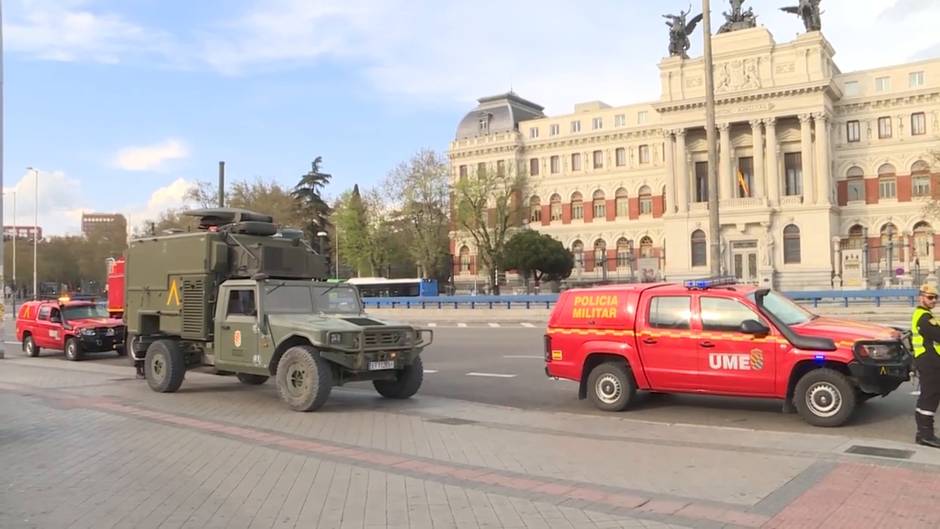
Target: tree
x,y
352,218
310,206
487,206
268,198
538,255
422,187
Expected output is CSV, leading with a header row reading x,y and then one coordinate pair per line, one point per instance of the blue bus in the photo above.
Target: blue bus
x,y
379,287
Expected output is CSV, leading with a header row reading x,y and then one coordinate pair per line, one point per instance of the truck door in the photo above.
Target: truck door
x,y
46,333
670,356
237,336
732,361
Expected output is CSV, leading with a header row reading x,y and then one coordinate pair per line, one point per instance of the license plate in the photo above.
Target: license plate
x,y
386,364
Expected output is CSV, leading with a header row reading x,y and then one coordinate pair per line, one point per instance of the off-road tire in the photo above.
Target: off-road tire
x,y
73,349
304,378
825,397
165,366
610,386
407,383
30,347
251,380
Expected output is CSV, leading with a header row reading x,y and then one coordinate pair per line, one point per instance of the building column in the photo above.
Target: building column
x,y
823,176
758,134
682,173
807,153
724,162
670,154
773,162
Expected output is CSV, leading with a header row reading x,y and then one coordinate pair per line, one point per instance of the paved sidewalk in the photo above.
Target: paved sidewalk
x,y
86,445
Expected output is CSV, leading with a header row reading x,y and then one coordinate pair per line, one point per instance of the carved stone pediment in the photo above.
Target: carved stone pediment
x,y
738,74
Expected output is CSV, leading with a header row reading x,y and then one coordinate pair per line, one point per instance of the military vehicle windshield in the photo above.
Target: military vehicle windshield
x,y
283,298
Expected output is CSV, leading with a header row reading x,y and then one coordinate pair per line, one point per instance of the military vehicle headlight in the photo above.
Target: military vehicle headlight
x,y
355,341
335,338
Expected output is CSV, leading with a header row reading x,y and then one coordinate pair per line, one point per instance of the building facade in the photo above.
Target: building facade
x,y
824,176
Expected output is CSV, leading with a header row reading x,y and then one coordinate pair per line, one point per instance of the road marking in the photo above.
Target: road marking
x,y
461,324
529,325
494,375
493,324
12,343
430,371
532,357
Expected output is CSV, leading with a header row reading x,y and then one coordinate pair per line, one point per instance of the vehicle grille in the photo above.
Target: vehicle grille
x,y
383,339
194,314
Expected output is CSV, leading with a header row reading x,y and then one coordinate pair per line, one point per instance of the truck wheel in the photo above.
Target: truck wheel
x,y
611,387
304,378
30,347
825,397
405,385
73,350
165,366
251,380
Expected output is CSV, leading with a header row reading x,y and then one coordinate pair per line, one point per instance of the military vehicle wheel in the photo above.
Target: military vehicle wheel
x,y
251,380
165,366
73,350
407,384
30,347
304,378
825,397
610,386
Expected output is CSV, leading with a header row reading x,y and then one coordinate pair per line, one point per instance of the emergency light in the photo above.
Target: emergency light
x,y
701,284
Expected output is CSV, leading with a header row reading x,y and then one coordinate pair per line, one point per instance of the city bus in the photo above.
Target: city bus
x,y
380,287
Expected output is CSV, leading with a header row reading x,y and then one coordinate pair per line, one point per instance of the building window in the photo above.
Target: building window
x,y
598,159
597,123
481,170
923,240
600,205
624,249
646,247
918,124
621,155
851,88
701,181
884,127
555,207
554,130
699,248
791,245
534,166
500,168
620,120
644,154
577,206
916,79
600,253
887,183
576,161
855,178
745,177
622,203
463,173
646,201
464,260
555,162
920,173
535,209
577,248
533,132
641,117
853,132
575,126
882,84
485,124
793,170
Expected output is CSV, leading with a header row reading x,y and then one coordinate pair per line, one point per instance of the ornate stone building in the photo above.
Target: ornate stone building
x,y
823,175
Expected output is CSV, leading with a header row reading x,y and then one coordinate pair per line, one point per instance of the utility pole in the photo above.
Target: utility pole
x,y
714,226
3,284
221,184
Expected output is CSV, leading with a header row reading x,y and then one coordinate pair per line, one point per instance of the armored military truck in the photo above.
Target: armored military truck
x,y
246,298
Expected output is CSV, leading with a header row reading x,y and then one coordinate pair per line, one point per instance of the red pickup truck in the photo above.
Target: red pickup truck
x,y
715,337
75,327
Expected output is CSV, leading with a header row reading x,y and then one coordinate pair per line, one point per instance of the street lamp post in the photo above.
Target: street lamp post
x,y
35,234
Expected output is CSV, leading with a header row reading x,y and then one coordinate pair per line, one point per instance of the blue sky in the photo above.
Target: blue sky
x,y
122,105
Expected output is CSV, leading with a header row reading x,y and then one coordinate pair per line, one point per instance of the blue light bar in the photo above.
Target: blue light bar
x,y
701,284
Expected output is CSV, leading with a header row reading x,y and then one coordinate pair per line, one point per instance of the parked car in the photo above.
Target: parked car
x,y
76,327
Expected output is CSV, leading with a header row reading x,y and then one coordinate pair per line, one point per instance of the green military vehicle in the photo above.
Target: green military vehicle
x,y
246,298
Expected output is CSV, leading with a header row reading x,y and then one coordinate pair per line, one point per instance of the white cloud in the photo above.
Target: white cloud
x,y
171,196
60,201
150,157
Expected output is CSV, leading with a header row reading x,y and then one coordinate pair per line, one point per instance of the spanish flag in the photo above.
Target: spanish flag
x,y
745,191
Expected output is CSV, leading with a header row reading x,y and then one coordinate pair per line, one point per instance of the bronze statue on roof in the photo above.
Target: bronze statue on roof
x,y
808,10
679,31
738,18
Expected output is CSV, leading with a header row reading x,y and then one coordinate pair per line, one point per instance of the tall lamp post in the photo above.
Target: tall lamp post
x,y
35,233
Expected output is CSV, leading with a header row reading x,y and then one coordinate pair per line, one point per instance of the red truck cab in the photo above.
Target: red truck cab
x,y
75,327
718,338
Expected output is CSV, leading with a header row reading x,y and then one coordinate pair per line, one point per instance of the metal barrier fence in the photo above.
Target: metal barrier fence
x,y
843,297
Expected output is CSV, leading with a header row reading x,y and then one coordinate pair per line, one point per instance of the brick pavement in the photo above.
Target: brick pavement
x,y
84,445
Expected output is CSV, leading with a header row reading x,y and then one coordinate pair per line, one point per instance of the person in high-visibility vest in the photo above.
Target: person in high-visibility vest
x,y
925,339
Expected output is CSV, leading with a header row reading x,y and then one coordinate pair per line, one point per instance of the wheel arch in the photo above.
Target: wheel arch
x,y
801,368
595,359
287,343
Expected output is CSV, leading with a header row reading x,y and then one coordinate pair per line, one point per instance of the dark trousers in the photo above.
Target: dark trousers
x,y
928,370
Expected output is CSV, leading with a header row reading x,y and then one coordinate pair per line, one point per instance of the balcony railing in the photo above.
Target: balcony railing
x,y
743,202
792,200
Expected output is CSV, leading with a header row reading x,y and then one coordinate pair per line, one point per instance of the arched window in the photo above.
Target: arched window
x,y
856,240
923,240
535,209
889,244
600,253
555,207
622,203
646,247
600,206
699,253
887,183
646,201
791,245
920,179
577,248
464,260
577,206
624,249
855,178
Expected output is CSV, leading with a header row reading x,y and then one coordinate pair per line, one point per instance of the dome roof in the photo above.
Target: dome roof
x,y
499,113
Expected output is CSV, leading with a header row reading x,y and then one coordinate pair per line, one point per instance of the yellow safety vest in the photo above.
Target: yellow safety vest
x,y
917,340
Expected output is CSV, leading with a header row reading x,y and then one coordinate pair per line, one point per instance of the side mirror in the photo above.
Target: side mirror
x,y
754,327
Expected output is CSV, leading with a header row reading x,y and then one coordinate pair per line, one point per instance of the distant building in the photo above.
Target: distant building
x,y
90,221
22,232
